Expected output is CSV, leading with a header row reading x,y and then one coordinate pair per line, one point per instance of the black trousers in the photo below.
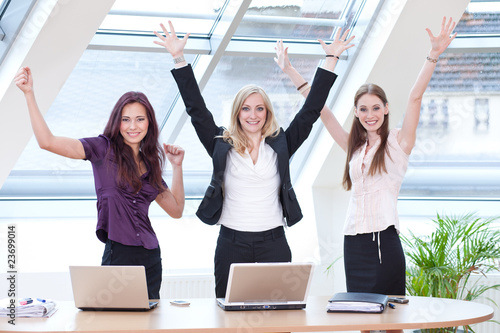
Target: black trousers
x,y
245,247
368,271
117,254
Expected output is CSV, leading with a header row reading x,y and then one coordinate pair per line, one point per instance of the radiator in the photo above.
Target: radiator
x,y
494,295
186,287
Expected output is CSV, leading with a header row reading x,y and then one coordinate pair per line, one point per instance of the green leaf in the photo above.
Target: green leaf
x,y
442,263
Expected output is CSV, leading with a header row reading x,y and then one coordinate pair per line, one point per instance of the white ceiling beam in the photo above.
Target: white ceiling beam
x,y
244,47
51,42
141,43
202,45
475,44
247,18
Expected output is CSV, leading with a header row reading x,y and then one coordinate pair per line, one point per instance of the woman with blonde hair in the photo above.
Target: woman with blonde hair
x,y
236,134
250,194
376,163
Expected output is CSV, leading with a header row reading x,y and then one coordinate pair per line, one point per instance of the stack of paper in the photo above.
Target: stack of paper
x,y
357,302
37,308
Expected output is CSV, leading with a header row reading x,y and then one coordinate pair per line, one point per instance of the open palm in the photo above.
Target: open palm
x,y
339,45
440,42
170,41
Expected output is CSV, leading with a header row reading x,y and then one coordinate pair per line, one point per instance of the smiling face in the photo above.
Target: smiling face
x,y
371,110
134,124
253,114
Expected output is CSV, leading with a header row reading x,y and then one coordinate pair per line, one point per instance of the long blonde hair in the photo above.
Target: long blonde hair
x,y
234,134
358,136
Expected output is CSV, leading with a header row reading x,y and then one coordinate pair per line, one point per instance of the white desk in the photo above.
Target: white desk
x,y
203,315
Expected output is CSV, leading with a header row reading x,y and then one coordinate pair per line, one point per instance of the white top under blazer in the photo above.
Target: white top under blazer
x,y
373,202
251,191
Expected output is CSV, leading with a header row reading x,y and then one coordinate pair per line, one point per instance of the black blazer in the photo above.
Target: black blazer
x,y
284,144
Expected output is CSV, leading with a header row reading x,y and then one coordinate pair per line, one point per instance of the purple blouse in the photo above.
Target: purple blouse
x,y
122,215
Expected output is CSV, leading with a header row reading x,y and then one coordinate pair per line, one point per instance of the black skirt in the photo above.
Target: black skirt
x,y
373,265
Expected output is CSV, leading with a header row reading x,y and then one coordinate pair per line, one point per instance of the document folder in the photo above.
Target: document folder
x,y
357,302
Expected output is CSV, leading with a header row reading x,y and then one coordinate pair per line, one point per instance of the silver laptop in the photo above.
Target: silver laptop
x,y
119,288
267,286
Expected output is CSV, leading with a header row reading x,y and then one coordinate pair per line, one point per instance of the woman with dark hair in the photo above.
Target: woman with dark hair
x,y
127,161
250,194
376,163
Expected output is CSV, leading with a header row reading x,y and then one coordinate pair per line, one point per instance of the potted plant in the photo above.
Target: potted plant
x,y
441,264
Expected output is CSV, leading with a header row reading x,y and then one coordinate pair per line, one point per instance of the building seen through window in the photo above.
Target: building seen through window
x,y
456,154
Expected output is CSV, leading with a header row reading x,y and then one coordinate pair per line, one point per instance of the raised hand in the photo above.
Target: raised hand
x,y
440,42
174,153
24,80
170,42
282,56
339,45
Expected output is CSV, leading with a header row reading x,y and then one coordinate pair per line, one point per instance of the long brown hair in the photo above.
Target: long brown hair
x,y
358,136
235,135
151,151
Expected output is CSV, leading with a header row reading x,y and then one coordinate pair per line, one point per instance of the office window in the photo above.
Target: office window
x,y
480,18
53,197
82,109
456,154
102,75
482,115
4,4
295,19
196,16
12,16
84,104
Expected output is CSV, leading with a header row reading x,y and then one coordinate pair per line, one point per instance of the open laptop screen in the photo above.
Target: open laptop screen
x,y
269,282
109,287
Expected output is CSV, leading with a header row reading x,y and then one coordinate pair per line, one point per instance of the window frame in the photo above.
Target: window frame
x,y
13,14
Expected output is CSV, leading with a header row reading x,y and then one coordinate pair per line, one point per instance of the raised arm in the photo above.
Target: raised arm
x,y
334,50
201,117
172,200
408,134
67,147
